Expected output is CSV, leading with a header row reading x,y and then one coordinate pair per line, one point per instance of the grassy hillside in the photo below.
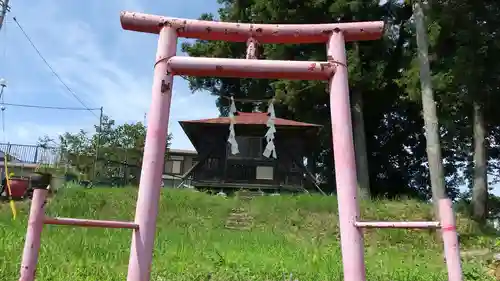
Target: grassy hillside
x,y
297,235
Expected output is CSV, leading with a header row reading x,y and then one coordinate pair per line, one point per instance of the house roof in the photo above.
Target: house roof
x,y
182,151
252,118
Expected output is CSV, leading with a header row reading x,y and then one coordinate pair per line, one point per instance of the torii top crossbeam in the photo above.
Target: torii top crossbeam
x,y
264,33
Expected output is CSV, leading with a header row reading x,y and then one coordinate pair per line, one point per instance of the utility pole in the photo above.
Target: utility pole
x,y
4,4
98,144
3,84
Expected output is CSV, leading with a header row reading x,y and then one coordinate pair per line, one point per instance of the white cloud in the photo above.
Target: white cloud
x,y
29,132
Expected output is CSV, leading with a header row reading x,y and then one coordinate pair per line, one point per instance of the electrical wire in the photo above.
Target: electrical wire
x,y
52,69
51,107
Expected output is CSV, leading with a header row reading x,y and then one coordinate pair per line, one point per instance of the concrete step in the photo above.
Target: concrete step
x,y
239,225
234,225
232,221
239,215
238,211
239,219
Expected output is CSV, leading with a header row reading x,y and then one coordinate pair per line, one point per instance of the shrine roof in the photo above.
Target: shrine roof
x,y
252,118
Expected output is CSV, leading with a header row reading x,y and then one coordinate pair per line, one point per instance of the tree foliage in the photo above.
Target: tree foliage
x,y
113,153
463,45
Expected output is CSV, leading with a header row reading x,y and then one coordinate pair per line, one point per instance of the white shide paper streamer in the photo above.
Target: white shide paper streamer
x,y
232,136
270,149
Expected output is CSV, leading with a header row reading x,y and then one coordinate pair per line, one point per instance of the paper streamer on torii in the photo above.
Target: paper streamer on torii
x,y
232,136
270,149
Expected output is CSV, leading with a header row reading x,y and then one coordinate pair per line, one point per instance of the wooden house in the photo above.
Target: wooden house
x,y
218,169
177,163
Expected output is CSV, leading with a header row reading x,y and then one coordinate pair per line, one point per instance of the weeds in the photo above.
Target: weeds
x,y
291,235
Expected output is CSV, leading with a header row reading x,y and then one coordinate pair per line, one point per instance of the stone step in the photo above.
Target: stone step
x,y
239,219
238,228
236,225
232,220
240,215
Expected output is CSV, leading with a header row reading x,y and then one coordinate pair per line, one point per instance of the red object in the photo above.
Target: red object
x,y
252,118
18,187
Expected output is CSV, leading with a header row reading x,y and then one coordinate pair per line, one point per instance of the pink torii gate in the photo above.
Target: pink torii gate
x,y
168,65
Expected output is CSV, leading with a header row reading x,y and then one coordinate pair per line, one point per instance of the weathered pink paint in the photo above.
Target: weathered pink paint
x,y
141,252
450,240
33,235
240,32
270,69
351,237
334,35
399,224
91,223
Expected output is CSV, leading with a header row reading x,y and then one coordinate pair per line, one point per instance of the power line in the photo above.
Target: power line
x,y
51,107
52,69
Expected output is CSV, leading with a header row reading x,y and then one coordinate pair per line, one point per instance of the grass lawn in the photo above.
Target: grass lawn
x,y
291,234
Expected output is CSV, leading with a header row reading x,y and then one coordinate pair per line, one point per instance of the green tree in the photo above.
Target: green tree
x,y
78,151
429,107
468,47
112,152
395,142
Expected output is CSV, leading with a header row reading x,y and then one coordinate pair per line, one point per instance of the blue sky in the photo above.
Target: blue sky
x,y
103,64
